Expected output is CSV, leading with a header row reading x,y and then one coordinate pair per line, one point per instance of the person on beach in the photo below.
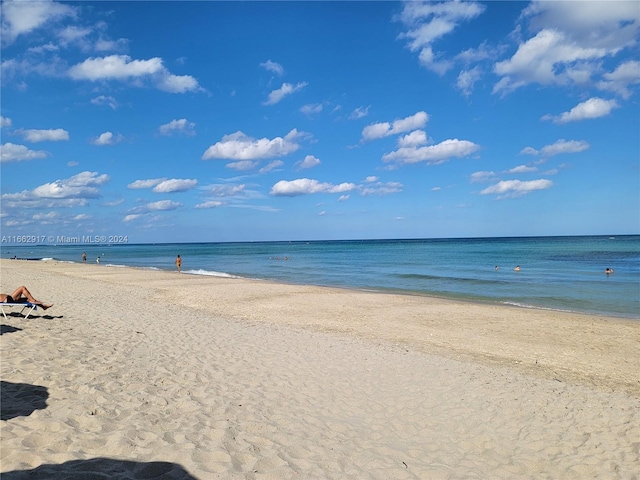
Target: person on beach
x,y
517,269
608,270
178,263
84,257
22,295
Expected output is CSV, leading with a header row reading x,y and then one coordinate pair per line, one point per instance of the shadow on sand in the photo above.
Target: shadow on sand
x,y
8,329
21,399
103,468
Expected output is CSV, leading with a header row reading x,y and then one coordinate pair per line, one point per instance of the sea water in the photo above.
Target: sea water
x,y
558,273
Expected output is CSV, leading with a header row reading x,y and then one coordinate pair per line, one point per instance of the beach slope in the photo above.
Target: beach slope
x,y
152,374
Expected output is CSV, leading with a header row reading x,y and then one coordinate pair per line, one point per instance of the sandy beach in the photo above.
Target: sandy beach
x,y
153,374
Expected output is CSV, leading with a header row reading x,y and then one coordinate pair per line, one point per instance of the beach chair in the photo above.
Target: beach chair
x,y
23,305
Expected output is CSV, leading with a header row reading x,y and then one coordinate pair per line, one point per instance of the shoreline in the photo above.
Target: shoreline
x,y
235,379
460,298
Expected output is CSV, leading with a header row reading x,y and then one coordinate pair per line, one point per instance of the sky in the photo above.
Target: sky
x,y
217,121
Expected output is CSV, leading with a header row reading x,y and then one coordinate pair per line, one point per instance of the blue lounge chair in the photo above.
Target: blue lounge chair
x,y
23,305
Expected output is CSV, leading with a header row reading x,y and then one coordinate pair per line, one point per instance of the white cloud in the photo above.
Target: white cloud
x,y
516,188
359,113
209,204
105,100
51,135
427,22
115,67
149,183
467,79
238,146
285,90
226,190
273,67
5,121
271,166
162,205
529,151
72,191
311,108
483,176
432,154
380,188
107,138
122,67
178,126
384,129
243,165
344,198
20,17
308,162
10,152
621,79
564,146
523,169
569,44
175,185
592,108
371,178
131,217
306,186
414,139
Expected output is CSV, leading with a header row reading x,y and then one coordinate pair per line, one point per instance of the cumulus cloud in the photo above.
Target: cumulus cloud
x,y
432,154
311,109
380,188
467,80
560,146
107,138
132,216
523,169
243,165
163,185
4,122
122,68
308,162
481,177
384,129
271,166
415,138
209,204
175,185
306,186
105,100
592,108
20,17
51,135
564,146
162,205
273,67
516,188
427,22
72,191
285,90
620,80
569,44
10,152
359,113
238,146
178,126
149,183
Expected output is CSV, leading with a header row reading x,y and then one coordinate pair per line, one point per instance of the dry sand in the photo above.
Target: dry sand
x,y
148,374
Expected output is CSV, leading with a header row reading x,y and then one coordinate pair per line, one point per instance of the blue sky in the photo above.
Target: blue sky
x,y
233,121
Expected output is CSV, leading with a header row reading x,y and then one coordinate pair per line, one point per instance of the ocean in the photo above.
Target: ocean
x,y
557,273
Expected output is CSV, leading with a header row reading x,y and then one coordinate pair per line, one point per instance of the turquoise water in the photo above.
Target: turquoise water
x,y
560,273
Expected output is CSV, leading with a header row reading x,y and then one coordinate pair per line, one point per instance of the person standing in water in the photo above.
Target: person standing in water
x,y
178,263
